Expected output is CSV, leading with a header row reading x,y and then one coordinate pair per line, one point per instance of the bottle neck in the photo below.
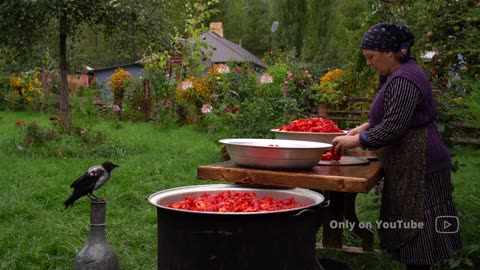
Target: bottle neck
x,y
97,219
97,231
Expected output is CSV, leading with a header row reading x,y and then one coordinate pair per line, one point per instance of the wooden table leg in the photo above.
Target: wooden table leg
x,y
351,215
333,235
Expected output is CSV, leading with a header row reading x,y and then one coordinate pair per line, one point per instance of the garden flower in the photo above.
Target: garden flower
x,y
223,68
116,108
186,85
207,108
234,110
331,75
20,123
266,79
168,102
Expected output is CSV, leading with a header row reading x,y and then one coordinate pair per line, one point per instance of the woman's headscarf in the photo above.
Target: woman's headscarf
x,y
389,37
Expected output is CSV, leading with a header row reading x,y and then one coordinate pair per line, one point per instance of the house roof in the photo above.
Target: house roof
x,y
226,51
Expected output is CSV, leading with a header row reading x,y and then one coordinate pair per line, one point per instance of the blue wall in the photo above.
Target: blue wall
x,y
103,76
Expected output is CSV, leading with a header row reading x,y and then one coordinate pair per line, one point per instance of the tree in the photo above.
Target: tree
x,y
26,22
292,19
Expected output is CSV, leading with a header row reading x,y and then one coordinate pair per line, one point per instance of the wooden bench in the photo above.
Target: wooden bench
x,y
462,133
356,114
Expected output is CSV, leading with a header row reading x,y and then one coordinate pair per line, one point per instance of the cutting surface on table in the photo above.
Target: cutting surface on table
x,y
355,178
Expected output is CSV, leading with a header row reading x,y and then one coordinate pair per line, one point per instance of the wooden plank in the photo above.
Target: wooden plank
x,y
347,249
355,178
350,215
353,119
359,99
352,112
465,140
333,237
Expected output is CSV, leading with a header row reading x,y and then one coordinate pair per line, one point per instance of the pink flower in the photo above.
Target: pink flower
x,y
186,85
207,108
266,79
223,68
116,108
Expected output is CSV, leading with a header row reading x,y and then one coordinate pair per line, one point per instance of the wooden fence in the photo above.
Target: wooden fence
x,y
458,133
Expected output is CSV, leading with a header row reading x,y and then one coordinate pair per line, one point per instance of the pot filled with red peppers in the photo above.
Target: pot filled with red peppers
x,y
237,227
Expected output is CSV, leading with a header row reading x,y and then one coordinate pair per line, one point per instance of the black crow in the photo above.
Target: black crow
x,y
92,180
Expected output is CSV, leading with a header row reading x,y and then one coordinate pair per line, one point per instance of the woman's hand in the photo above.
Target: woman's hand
x,y
359,129
343,143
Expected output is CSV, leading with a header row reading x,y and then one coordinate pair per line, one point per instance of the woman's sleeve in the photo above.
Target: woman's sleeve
x,y
401,99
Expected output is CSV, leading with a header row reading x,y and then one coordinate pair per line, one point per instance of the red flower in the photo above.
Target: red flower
x,y
238,70
19,122
234,110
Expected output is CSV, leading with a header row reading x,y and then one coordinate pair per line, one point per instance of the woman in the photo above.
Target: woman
x,y
417,205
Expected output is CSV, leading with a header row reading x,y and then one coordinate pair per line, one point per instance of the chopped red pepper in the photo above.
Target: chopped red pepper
x,y
231,201
311,125
330,155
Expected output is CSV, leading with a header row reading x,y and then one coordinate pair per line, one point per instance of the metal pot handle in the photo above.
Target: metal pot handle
x,y
325,204
303,211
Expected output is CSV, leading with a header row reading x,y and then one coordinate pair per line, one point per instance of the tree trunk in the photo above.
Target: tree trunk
x,y
63,73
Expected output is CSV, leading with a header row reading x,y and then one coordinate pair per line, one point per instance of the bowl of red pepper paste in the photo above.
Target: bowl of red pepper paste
x,y
212,239
309,129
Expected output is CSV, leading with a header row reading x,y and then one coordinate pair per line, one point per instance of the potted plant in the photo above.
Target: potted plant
x,y
328,91
325,95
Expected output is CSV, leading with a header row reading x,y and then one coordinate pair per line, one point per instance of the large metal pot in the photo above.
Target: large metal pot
x,y
230,241
275,154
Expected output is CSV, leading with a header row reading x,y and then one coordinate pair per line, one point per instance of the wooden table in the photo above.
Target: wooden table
x,y
339,184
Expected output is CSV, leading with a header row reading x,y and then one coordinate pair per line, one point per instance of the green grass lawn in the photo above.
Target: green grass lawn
x,y
36,232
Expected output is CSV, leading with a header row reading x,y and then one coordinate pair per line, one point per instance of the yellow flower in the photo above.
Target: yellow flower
x,y
30,88
29,98
331,75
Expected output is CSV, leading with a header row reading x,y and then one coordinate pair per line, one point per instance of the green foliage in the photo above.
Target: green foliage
x,y
152,159
198,13
32,138
449,29
247,23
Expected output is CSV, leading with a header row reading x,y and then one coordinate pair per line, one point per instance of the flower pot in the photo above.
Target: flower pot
x,y
322,109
